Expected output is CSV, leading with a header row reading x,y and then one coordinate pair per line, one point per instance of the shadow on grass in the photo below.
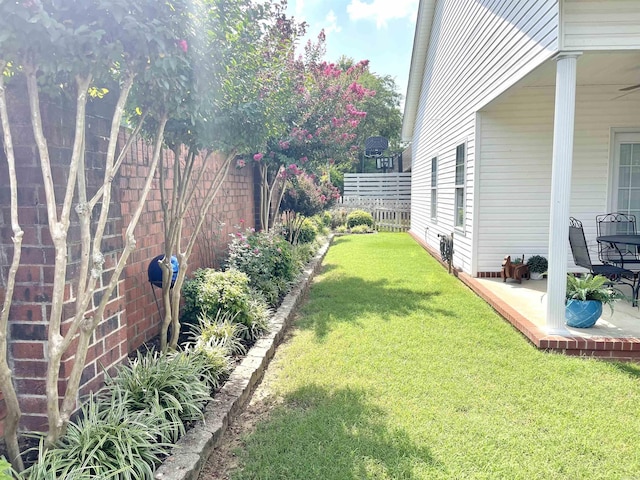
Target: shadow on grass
x,y
318,434
350,299
339,239
631,369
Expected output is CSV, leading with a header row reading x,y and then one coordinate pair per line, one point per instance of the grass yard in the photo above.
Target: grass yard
x,y
397,371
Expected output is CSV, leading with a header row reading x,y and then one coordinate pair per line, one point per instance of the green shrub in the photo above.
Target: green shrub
x,y
210,291
327,218
341,229
109,440
305,251
359,217
170,386
322,223
307,232
322,220
362,229
267,259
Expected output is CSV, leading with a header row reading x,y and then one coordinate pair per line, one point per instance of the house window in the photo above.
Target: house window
x,y
434,188
628,173
459,197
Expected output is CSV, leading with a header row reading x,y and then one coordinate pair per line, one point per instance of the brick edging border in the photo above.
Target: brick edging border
x,y
193,449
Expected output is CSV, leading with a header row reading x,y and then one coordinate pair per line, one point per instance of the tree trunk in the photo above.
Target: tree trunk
x,y
12,419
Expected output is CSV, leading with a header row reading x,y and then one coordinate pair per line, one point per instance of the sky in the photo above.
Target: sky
x,y
380,31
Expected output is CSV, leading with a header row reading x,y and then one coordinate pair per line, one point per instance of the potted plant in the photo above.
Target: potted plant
x,y
537,266
585,298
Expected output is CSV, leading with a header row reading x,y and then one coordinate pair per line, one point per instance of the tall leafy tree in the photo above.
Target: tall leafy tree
x,y
234,100
72,50
325,109
384,117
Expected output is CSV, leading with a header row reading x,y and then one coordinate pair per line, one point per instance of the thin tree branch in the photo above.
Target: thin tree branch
x,y
82,84
6,383
121,156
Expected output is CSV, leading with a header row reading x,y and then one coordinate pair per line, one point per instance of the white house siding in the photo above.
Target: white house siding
x,y
515,168
478,48
600,24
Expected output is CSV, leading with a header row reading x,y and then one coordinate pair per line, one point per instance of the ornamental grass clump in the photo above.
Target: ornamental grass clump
x,y
213,363
110,439
338,217
170,386
219,331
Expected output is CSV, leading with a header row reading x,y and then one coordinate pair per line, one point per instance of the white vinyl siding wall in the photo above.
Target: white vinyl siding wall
x,y
515,168
434,188
477,50
601,25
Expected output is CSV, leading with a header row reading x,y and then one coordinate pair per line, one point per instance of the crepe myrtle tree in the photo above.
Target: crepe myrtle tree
x,y
304,196
71,49
325,112
234,101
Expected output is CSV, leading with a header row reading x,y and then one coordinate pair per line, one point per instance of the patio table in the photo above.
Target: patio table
x,y
618,241
627,238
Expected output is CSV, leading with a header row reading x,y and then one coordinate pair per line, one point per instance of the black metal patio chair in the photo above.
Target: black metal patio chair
x,y
616,275
625,256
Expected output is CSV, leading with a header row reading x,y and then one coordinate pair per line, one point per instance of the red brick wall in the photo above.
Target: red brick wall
x,y
233,204
131,317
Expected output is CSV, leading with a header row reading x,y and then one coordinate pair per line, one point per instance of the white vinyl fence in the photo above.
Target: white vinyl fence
x,y
387,196
391,186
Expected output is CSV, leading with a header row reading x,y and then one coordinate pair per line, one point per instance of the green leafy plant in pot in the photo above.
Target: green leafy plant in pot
x,y
585,299
538,265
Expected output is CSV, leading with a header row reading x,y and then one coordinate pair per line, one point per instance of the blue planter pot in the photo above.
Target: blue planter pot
x,y
583,314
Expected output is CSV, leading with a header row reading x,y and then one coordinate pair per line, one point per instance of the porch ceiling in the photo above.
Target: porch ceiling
x,y
617,69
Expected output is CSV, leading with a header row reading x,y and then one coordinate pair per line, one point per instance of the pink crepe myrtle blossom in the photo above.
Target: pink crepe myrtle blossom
x,y
304,159
284,145
240,163
183,45
258,156
294,169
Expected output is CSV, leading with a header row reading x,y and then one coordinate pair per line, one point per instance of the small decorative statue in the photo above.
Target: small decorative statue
x,y
517,271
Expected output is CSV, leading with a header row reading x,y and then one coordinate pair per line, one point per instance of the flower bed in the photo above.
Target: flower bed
x,y
158,397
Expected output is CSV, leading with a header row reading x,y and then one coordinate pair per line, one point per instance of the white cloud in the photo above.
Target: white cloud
x,y
381,11
331,23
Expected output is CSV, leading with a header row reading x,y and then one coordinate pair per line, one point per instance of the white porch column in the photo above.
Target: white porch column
x,y
563,125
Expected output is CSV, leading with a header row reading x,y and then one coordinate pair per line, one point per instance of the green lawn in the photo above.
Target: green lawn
x,y
396,370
